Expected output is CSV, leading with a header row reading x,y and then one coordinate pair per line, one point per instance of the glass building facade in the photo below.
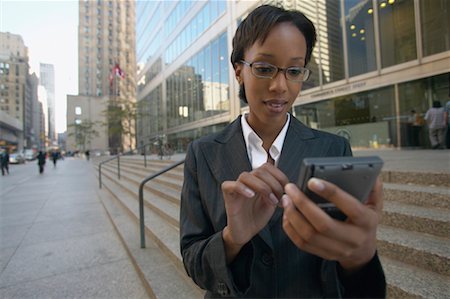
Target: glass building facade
x,y
375,61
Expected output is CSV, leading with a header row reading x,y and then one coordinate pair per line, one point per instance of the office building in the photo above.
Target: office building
x,y
374,62
13,80
106,66
47,80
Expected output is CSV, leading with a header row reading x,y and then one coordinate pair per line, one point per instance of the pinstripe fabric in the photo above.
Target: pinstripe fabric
x,y
269,265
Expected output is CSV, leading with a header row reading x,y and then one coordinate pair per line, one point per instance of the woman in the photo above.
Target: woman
x,y
245,230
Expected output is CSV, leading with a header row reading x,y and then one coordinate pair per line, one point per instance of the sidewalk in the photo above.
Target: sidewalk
x,y
56,239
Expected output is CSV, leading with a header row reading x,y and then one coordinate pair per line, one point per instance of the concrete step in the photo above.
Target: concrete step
x,y
414,249
434,221
411,217
172,179
405,281
436,197
416,178
157,187
159,264
422,250
167,210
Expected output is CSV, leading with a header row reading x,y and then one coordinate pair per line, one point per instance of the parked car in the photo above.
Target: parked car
x,y
16,158
29,154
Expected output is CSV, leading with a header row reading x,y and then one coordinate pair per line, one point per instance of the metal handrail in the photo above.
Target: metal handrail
x,y
118,160
141,197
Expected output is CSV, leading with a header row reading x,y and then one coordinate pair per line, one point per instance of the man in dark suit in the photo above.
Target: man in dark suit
x,y
245,230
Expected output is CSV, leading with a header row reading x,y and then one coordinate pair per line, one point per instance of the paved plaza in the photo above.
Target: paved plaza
x,y
56,238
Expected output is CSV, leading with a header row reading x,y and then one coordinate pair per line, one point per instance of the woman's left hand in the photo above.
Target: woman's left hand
x,y
351,242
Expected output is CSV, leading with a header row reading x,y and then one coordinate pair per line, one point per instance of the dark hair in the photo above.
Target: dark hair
x,y
260,21
257,25
437,104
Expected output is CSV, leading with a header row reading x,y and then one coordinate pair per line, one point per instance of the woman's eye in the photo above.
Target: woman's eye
x,y
294,72
264,70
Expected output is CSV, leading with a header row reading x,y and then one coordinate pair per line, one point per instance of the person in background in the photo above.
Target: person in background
x,y
4,161
415,123
245,230
436,119
55,156
41,157
447,135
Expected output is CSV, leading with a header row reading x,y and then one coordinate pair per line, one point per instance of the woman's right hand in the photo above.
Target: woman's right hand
x,y
250,203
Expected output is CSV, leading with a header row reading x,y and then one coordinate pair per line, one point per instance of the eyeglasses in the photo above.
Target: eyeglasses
x,y
268,71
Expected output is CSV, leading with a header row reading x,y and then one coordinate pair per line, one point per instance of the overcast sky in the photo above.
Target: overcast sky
x,y
49,30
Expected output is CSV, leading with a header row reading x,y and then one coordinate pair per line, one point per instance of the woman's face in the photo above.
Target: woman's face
x,y
270,99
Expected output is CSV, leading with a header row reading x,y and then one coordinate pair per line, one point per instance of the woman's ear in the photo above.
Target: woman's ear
x,y
237,72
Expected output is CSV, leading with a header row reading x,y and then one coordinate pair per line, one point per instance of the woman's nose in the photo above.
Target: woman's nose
x,y
279,82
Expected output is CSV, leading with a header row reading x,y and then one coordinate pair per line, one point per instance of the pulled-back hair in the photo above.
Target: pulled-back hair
x,y
260,21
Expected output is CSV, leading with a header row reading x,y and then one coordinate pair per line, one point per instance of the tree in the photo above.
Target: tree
x,y
83,131
121,121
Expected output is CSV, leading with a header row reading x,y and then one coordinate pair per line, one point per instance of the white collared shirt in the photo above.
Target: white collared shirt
x,y
255,151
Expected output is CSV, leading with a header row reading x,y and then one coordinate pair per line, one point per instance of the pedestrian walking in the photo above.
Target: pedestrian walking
x,y
4,161
55,157
437,123
41,161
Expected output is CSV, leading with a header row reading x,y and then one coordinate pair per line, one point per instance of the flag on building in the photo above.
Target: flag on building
x,y
116,72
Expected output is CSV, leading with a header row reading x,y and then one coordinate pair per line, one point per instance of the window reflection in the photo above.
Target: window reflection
x,y
366,119
435,22
199,88
397,31
360,36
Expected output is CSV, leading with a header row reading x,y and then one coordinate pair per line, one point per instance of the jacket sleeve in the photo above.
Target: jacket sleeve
x,y
368,282
202,246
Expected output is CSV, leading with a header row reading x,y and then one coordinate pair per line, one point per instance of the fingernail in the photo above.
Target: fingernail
x,y
317,184
273,198
284,201
249,192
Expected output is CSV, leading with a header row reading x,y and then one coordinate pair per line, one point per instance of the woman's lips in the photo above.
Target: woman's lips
x,y
276,106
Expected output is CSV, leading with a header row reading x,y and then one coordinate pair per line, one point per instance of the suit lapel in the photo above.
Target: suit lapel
x,y
227,157
298,144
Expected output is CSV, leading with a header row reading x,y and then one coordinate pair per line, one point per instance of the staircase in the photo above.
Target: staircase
x,y
413,239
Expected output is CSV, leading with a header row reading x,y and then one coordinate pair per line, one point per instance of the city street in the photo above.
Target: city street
x,y
56,239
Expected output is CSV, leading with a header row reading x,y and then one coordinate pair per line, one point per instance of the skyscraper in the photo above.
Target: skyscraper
x,y
106,68
47,79
106,59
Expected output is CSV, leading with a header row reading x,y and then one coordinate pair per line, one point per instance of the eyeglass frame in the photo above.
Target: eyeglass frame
x,y
279,69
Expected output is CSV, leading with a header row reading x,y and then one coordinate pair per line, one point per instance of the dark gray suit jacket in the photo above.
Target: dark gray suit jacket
x,y
270,265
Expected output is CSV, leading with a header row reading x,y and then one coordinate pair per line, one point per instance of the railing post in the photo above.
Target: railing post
x,y
145,158
118,166
100,175
141,214
141,198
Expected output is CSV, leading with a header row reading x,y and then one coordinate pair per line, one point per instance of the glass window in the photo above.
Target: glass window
x,y
397,32
366,119
418,95
435,23
360,36
330,41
